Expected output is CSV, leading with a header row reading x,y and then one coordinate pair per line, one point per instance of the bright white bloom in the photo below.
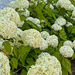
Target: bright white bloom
x,y
52,40
34,20
44,45
74,44
46,65
1,41
68,43
51,6
11,14
69,24
73,13
26,13
44,34
32,37
60,21
8,28
65,4
4,65
56,27
19,4
18,37
66,51
72,18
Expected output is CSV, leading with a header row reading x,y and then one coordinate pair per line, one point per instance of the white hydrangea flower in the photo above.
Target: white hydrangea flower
x,y
73,13
65,4
46,65
66,51
68,43
51,6
19,4
1,41
56,27
26,13
4,65
72,18
32,37
44,34
18,37
44,45
11,14
52,40
74,44
60,21
69,24
34,20
8,28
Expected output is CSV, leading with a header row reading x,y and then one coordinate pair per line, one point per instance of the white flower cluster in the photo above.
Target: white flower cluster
x,y
20,23
32,37
68,43
45,65
34,20
44,34
66,51
56,27
8,28
1,41
51,6
52,40
65,4
4,65
74,44
73,13
11,14
19,4
69,24
60,21
44,45
18,37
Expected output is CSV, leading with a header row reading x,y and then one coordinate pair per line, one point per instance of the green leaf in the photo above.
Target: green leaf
x,y
14,62
7,46
73,57
73,30
24,72
22,17
67,65
23,52
30,61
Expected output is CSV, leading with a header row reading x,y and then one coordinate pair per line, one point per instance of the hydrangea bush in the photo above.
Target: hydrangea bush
x,y
39,39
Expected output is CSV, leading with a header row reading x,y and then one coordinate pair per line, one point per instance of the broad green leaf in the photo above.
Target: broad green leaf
x,y
24,72
73,57
7,46
22,17
67,65
14,62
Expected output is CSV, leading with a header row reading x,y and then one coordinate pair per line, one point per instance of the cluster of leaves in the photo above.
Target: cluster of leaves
x,y
23,57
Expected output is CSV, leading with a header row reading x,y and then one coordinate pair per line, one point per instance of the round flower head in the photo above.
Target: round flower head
x,y
44,34
46,65
73,13
8,28
11,14
20,23
65,4
66,51
4,65
56,27
51,6
44,45
68,43
52,41
69,24
32,37
60,21
19,4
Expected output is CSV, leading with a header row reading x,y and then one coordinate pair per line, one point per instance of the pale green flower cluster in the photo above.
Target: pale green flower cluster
x,y
45,65
19,4
32,37
4,65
